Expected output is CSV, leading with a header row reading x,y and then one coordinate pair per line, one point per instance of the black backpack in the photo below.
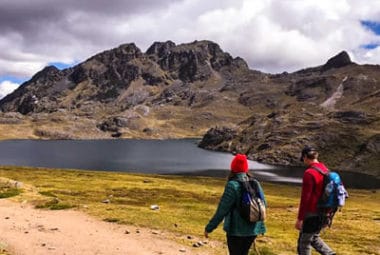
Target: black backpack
x,y
250,206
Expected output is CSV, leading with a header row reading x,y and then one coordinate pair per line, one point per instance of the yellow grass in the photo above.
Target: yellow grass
x,y
187,203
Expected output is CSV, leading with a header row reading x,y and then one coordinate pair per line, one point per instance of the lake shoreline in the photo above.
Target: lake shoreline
x,y
167,157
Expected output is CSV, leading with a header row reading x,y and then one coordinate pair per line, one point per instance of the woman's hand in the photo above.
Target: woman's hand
x,y
206,234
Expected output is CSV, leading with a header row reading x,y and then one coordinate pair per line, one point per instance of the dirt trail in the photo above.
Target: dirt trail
x,y
25,230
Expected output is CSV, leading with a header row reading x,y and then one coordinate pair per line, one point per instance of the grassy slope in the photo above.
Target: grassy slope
x,y
187,203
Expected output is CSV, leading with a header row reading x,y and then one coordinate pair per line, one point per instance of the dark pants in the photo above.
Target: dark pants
x,y
239,245
309,237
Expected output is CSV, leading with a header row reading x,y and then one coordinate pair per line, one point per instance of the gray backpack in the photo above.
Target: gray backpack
x,y
251,207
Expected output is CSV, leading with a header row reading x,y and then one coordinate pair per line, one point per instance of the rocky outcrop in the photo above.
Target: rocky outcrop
x,y
113,124
159,50
217,136
191,62
340,60
353,117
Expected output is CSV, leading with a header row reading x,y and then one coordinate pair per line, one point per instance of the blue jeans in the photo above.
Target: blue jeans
x,y
309,237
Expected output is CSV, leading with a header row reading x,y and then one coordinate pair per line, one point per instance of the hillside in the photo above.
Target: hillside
x,y
333,107
184,90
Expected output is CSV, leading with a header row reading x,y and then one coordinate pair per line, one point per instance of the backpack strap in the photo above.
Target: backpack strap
x,y
324,174
320,170
253,185
250,185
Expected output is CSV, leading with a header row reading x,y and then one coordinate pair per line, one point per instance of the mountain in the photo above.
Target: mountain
x,y
334,107
173,91
168,91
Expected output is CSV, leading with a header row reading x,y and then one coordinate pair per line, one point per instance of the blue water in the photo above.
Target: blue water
x,y
172,156
129,155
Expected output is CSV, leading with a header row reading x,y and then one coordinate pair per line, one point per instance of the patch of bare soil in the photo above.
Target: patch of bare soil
x,y
25,230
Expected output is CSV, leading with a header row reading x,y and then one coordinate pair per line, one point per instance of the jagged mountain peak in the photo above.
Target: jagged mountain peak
x,y
124,52
340,60
160,48
108,75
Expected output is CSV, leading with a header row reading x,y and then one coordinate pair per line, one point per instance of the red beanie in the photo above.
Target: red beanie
x,y
239,164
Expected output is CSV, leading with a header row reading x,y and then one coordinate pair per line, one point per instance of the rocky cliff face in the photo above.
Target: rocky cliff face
x,y
184,90
334,107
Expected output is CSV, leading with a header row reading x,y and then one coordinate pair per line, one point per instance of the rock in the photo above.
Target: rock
x,y
182,250
127,232
198,244
113,124
11,118
340,60
15,184
354,117
148,131
264,146
215,136
116,135
154,207
52,134
160,49
373,144
106,201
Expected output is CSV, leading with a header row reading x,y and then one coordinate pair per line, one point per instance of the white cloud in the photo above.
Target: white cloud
x,y
271,35
7,87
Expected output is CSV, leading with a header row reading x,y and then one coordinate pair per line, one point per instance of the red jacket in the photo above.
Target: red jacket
x,y
312,184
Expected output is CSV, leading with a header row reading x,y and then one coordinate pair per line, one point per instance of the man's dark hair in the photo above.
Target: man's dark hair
x,y
309,152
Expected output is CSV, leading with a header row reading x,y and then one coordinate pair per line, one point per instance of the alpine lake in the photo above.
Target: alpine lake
x,y
171,156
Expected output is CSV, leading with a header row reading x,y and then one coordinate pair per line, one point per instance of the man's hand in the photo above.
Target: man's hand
x,y
299,224
206,234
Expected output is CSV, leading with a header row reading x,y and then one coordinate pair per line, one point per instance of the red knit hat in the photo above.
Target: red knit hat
x,y
239,164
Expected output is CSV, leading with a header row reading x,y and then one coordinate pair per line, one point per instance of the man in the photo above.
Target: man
x,y
309,223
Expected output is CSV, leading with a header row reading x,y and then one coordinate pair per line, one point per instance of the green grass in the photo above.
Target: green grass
x,y
8,189
187,203
8,192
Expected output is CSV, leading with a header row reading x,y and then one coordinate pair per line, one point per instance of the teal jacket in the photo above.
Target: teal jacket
x,y
234,224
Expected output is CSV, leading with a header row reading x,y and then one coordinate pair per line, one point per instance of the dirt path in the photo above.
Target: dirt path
x,y
25,230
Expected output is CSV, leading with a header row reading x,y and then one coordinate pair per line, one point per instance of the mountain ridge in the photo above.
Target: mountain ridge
x,y
174,91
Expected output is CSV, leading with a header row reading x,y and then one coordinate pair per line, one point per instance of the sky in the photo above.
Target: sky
x,y
271,35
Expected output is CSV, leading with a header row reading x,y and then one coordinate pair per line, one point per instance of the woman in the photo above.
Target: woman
x,y
240,233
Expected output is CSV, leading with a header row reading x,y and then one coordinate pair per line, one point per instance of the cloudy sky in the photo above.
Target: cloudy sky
x,y
271,35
